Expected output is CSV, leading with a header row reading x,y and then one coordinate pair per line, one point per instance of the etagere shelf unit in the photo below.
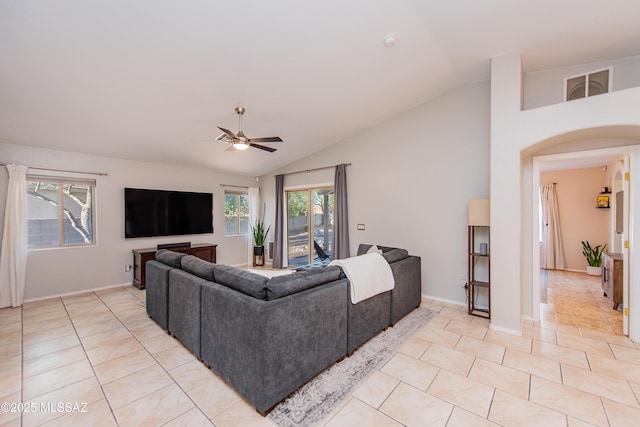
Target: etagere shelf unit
x,y
479,272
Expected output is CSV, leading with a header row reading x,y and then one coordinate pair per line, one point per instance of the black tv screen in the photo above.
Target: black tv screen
x,y
151,213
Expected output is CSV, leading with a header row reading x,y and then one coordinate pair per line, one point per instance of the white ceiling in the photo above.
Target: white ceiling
x,y
151,79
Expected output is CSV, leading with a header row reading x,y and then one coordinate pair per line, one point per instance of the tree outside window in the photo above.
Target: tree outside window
x,y
236,213
60,212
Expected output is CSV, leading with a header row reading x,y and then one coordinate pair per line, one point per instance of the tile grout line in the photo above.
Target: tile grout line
x,y
158,363
95,375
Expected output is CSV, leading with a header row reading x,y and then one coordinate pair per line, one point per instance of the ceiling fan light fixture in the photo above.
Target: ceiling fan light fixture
x,y
240,145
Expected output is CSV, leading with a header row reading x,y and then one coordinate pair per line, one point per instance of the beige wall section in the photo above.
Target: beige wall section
x,y
67,270
579,218
410,180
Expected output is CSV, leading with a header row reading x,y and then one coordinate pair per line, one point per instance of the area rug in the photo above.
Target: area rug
x,y
312,402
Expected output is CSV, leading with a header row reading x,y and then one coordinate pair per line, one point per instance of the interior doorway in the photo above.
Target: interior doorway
x,y
575,160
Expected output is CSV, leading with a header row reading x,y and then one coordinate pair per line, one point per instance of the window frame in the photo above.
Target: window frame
x,y
238,194
587,76
61,181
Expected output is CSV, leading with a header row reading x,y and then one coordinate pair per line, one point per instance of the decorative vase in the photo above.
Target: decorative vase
x,y
258,250
594,271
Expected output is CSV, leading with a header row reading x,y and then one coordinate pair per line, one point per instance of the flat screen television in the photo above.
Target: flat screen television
x,y
151,213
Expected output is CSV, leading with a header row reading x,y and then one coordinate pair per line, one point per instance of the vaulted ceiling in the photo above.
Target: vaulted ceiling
x,y
151,79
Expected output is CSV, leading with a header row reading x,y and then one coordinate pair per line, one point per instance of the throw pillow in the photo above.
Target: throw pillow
x,y
374,250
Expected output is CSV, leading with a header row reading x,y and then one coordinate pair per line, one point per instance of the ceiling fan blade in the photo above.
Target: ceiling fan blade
x,y
223,137
228,132
231,148
266,139
262,147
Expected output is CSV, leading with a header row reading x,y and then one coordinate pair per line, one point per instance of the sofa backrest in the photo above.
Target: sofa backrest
x,y
389,253
281,286
198,267
242,281
170,258
249,283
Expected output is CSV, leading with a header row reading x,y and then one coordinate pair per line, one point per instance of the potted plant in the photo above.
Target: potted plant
x,y
594,257
259,237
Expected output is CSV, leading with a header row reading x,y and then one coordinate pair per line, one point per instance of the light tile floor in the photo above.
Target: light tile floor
x,y
101,348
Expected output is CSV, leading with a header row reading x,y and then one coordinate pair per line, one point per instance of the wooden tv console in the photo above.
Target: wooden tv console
x,y
203,251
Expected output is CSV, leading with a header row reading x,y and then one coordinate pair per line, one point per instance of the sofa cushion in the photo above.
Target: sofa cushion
x,y
389,253
281,286
170,258
363,248
395,255
198,267
242,281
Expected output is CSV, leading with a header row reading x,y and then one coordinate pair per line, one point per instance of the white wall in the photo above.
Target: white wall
x,y
547,87
65,270
513,133
410,180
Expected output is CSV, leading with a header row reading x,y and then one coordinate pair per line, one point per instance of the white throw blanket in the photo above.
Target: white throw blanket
x,y
369,274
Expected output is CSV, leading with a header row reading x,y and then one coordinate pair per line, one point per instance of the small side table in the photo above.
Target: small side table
x,y
258,260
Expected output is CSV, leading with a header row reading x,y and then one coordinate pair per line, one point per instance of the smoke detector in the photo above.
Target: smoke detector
x,y
389,40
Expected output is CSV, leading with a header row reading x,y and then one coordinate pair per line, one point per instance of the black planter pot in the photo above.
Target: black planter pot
x,y
258,250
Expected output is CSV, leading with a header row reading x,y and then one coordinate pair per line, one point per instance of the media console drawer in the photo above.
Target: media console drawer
x,y
203,251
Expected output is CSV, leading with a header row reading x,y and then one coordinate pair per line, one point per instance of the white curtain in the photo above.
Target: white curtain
x,y
551,252
254,214
13,253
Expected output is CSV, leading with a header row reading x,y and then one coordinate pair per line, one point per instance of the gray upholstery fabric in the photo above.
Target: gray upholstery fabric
x,y
407,293
184,308
366,319
267,349
288,284
395,255
170,258
198,267
363,248
243,281
157,292
267,338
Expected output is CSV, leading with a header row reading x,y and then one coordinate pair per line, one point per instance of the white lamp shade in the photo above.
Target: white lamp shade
x,y
479,212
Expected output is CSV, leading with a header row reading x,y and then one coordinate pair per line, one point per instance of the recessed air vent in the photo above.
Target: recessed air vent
x,y
584,85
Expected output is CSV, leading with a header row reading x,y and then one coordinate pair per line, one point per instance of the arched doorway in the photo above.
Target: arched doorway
x,y
568,154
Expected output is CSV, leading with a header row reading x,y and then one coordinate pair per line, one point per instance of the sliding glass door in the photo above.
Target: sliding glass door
x,y
309,226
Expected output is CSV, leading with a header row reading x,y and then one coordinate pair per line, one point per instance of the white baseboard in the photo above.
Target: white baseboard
x,y
462,304
506,330
84,291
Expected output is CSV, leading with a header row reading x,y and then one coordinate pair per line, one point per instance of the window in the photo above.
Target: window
x,y
60,211
236,213
309,225
590,84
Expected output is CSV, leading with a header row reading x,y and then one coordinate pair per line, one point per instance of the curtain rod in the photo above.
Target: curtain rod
x,y
231,185
315,169
63,170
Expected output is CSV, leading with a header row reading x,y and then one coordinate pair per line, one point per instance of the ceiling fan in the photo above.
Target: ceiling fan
x,y
240,141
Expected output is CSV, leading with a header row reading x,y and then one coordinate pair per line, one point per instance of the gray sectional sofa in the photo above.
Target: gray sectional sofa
x,y
267,337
